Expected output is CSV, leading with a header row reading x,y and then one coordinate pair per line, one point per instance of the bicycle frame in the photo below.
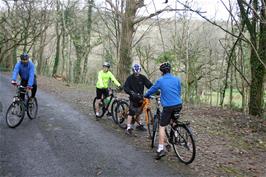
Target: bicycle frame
x,y
21,90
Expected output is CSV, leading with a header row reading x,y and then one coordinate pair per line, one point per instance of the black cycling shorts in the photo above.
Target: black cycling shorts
x,y
135,108
100,92
168,113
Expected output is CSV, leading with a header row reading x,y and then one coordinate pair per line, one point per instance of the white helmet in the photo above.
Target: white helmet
x,y
106,64
136,68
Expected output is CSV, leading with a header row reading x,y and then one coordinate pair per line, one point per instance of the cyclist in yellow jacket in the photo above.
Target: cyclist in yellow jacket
x,y
104,77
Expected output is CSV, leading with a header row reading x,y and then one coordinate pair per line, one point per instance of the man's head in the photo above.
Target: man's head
x,y
136,68
24,58
106,66
165,68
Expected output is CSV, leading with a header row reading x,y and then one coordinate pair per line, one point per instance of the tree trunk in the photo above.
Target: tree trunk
x,y
257,68
58,38
89,23
77,66
57,54
126,40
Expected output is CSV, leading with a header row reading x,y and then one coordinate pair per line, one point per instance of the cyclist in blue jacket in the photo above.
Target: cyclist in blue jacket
x,y
171,101
25,69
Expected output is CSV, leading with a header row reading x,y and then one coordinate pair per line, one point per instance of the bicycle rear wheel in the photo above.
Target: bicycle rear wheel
x,y
101,108
121,112
114,105
154,141
183,144
150,123
32,108
15,114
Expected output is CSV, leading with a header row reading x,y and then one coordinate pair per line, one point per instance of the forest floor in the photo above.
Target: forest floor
x,y
228,143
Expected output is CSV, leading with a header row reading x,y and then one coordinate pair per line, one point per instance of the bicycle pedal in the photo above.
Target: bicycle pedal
x,y
168,147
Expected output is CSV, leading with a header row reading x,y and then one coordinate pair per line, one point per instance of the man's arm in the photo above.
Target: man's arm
x,y
147,82
15,72
126,87
114,80
153,89
31,77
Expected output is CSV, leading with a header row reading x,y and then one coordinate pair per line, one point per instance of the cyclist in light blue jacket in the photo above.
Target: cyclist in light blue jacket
x,y
170,88
25,69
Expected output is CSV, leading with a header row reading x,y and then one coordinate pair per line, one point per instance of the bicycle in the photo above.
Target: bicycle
x,y
104,104
178,134
16,111
122,110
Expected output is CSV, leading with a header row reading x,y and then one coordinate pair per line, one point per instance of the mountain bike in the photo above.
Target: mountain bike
x,y
178,134
122,110
105,102
16,111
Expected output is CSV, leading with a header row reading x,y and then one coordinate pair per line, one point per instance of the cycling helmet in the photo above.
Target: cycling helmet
x,y
165,67
24,56
136,68
106,64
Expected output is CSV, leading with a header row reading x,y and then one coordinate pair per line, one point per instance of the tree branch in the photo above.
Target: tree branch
x,y
157,13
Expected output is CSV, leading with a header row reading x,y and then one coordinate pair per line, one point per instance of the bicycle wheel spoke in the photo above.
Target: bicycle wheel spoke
x,y
183,144
121,112
15,114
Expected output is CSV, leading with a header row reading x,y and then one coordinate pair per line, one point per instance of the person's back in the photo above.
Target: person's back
x,y
171,101
170,87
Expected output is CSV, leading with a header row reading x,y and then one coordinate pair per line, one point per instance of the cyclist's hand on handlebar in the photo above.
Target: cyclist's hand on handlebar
x,y
119,89
29,88
13,82
146,96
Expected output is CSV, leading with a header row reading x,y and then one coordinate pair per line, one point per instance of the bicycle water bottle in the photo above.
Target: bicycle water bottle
x,y
106,100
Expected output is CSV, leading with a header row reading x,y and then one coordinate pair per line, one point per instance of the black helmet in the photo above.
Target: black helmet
x,y
106,64
165,67
24,56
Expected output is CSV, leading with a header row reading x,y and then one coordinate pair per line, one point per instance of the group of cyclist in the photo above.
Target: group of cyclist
x,y
168,85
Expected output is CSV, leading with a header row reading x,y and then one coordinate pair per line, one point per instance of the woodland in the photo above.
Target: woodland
x,y
221,62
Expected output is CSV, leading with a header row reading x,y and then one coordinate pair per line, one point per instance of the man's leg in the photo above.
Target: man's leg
x,y
24,83
97,106
33,91
129,121
164,121
98,100
140,125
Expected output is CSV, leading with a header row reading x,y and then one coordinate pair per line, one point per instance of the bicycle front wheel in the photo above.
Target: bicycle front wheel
x,y
149,122
15,114
121,112
154,141
183,144
114,105
32,108
101,108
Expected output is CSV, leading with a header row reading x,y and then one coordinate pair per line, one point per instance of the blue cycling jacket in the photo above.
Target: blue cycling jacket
x,y
26,72
170,88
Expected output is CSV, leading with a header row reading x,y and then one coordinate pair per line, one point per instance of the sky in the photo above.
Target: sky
x,y
213,8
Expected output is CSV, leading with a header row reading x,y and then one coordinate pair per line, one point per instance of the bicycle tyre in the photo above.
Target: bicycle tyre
x,y
113,106
101,108
150,123
30,106
19,115
121,112
154,131
180,140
